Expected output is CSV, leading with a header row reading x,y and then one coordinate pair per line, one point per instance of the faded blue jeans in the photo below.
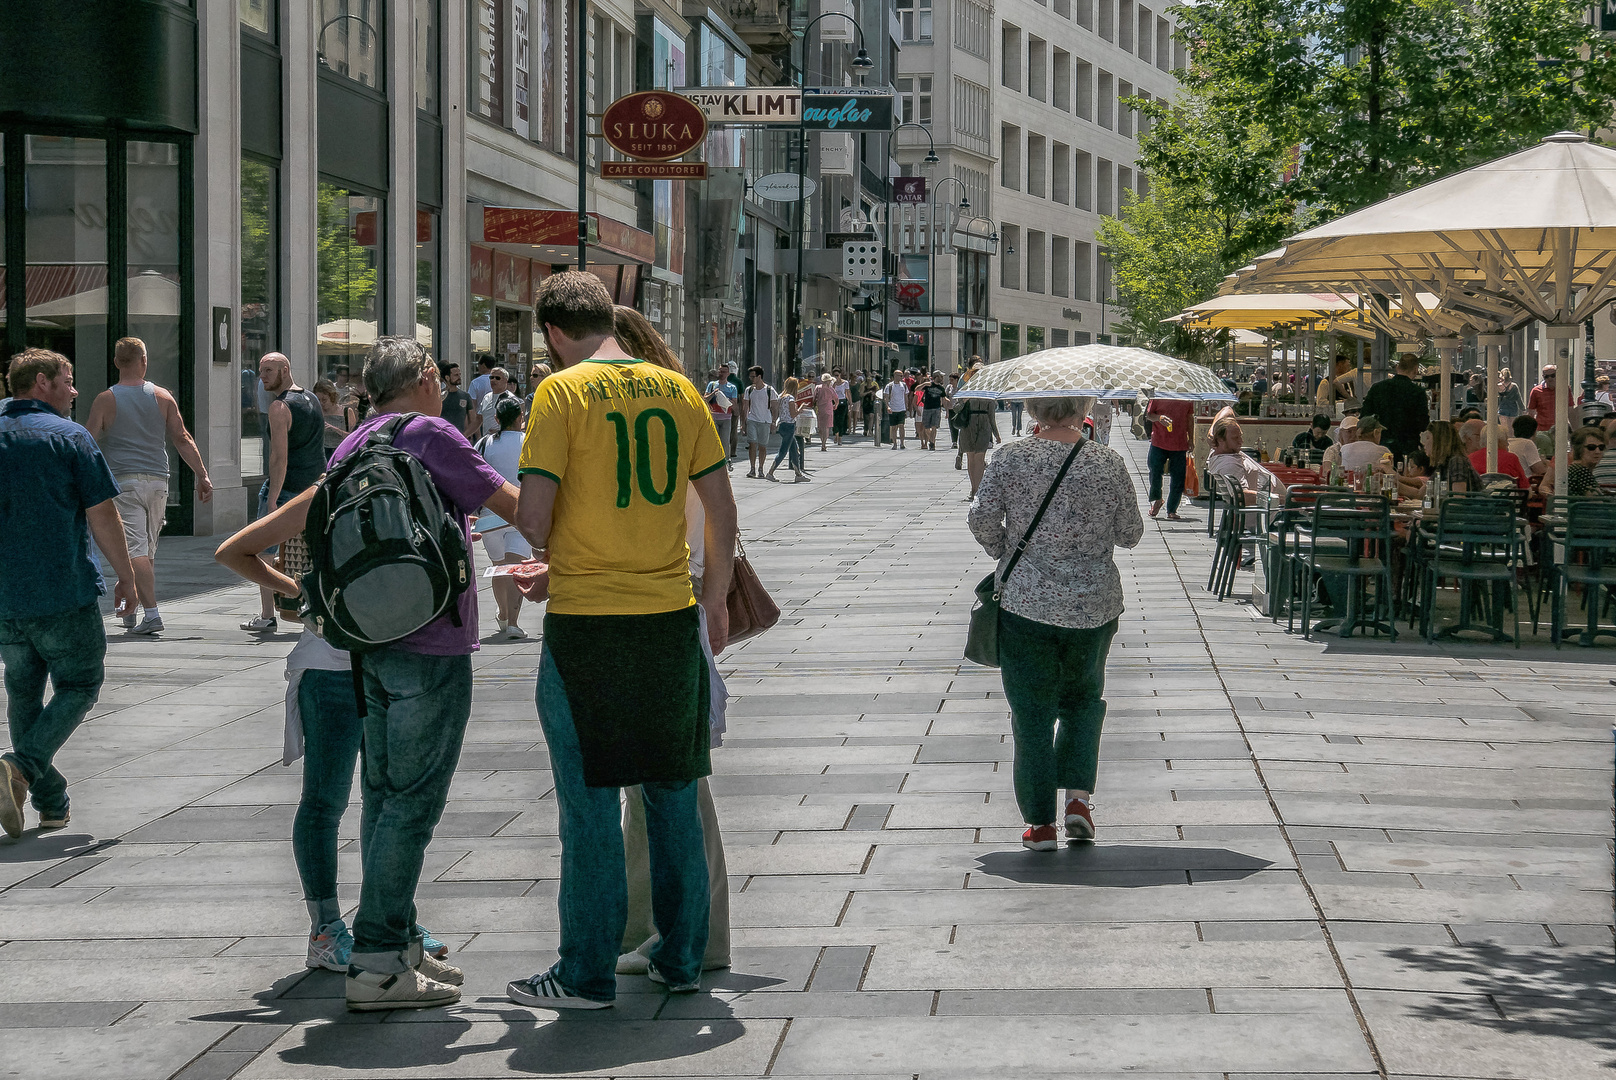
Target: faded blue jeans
x,y
417,709
332,732
68,649
788,446
593,901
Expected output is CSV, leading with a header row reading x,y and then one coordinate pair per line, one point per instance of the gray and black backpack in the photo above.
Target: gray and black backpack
x,y
386,557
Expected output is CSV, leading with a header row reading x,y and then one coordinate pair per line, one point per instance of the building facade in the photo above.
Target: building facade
x,y
1024,100
231,178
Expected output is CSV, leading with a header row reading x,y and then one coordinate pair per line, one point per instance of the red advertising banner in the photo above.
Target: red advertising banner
x,y
482,272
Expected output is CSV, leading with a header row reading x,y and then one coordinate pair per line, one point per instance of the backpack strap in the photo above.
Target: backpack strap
x,y
1021,545
385,434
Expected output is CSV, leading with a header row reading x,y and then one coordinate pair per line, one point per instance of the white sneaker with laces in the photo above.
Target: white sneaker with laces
x,y
261,624
330,947
438,971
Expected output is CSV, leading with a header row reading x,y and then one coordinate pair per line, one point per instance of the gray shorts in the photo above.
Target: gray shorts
x,y
757,432
930,418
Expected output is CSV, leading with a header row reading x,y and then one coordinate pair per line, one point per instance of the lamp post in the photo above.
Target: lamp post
x,y
862,62
931,269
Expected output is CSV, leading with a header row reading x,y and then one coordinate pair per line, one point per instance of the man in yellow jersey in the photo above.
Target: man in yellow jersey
x,y
614,445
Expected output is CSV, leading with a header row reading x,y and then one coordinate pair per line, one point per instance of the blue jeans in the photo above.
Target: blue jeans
x,y
594,886
332,733
788,445
417,709
1172,462
69,648
1053,675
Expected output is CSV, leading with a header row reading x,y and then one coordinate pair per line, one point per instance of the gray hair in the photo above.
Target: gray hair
x,y
1058,410
394,366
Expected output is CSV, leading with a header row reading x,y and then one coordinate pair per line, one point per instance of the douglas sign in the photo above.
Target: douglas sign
x,y
653,126
846,108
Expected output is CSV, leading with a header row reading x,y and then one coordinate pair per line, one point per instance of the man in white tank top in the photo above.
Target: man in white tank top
x,y
132,422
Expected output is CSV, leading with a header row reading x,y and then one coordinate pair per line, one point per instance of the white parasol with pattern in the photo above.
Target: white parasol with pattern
x,y
1110,372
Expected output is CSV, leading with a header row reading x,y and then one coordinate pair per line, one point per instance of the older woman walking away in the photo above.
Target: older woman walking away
x,y
978,431
790,449
640,938
1059,609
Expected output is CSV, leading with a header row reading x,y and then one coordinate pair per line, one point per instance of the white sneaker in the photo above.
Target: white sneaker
x,y
515,633
633,963
261,625
673,988
148,625
368,991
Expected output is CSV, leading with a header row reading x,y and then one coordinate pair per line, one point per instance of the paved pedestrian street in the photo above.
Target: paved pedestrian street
x,y
1321,860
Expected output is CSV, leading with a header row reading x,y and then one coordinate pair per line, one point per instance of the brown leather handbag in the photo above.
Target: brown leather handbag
x,y
751,609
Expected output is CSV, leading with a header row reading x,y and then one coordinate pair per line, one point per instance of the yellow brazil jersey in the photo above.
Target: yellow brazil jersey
x,y
621,439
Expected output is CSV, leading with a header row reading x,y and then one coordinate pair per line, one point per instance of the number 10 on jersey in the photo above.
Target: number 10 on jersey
x,y
634,470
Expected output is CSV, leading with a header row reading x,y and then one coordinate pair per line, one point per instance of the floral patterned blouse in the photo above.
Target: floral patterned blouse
x,y
1067,576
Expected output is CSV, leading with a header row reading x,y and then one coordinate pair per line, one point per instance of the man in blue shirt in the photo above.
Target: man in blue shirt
x,y
55,490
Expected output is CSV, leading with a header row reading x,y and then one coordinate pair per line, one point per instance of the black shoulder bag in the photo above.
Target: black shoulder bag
x,y
982,640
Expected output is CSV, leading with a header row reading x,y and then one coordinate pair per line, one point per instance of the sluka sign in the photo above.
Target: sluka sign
x,y
653,125
846,108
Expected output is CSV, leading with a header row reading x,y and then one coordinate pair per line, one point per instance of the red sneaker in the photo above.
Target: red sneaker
x,y
1079,820
1040,838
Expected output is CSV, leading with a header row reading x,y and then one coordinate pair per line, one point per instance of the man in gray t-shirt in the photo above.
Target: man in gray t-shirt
x,y
133,422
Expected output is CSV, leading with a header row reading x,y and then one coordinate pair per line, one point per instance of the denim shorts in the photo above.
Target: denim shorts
x,y
263,509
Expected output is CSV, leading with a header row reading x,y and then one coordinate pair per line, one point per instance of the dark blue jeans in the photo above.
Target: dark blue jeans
x,y
417,708
68,649
332,733
1171,461
1053,675
594,886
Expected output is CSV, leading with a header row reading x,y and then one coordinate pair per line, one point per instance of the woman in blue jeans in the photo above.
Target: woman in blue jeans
x,y
788,433
1058,607
323,727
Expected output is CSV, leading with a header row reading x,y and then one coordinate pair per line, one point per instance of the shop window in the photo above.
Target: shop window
x,y
349,278
65,233
349,40
152,235
426,276
1009,341
260,309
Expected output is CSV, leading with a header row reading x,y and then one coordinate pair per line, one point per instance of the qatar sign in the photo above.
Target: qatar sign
x,y
654,125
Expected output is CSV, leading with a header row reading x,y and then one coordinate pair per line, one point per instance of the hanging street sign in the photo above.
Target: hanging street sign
x,y
653,125
747,104
653,170
847,108
783,187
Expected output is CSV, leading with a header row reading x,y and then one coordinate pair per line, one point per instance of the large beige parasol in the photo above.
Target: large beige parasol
x,y
1529,236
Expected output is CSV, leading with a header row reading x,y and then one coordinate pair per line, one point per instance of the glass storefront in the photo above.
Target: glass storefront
x,y
260,314
152,261
349,279
426,276
65,236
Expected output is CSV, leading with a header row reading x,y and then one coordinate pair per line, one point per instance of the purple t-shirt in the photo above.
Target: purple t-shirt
x,y
464,481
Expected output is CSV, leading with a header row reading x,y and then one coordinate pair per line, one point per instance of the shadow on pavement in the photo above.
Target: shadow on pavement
x,y
1570,993
1118,865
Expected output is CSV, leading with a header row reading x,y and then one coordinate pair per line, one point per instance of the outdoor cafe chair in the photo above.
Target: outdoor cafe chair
x,y
1363,524
1478,538
1290,533
1589,545
1236,531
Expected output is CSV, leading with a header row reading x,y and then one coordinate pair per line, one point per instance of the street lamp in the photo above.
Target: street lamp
x,y
862,62
931,269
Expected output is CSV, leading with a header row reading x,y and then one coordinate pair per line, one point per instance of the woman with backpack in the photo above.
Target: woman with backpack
x,y
501,542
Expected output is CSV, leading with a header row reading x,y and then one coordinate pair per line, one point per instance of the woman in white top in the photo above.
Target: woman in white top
x,y
502,450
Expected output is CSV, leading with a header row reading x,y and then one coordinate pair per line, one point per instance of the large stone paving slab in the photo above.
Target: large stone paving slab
x,y
1325,859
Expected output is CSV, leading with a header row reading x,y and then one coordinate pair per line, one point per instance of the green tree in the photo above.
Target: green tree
x,y
1166,253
